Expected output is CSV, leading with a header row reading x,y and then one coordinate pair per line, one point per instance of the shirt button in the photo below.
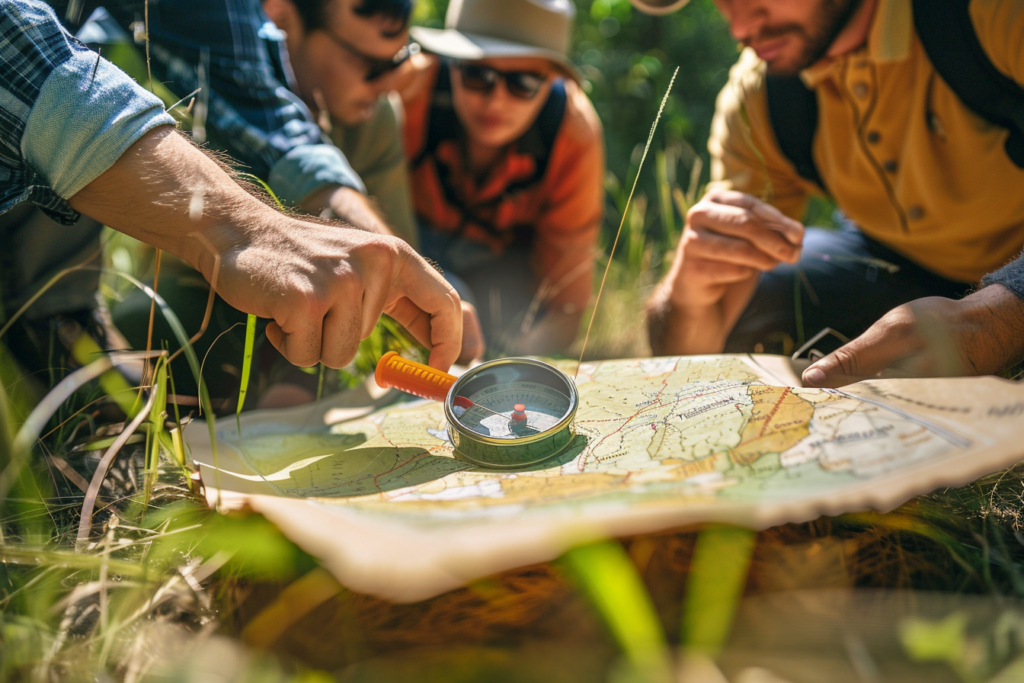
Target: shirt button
x,y
915,213
874,136
890,166
860,89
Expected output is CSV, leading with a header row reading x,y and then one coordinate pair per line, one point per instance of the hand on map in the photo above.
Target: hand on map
x,y
931,337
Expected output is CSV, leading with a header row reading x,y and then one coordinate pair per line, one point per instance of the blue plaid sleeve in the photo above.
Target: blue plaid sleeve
x,y
49,150
247,106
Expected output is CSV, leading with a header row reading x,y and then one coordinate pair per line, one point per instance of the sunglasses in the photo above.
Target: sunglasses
x,y
522,84
374,67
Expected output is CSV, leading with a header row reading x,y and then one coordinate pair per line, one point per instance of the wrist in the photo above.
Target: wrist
x,y
996,317
230,236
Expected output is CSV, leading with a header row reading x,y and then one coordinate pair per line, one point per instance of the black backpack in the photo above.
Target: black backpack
x,y
947,35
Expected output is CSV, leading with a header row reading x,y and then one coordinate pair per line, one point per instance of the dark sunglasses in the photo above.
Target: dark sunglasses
x,y
522,84
375,67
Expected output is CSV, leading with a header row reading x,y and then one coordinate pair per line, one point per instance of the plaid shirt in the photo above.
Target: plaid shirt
x,y
232,50
47,154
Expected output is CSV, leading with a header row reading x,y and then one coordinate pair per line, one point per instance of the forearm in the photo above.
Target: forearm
x,y
166,192
323,286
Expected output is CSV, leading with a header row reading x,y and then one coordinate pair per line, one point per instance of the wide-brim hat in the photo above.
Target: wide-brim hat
x,y
479,29
658,6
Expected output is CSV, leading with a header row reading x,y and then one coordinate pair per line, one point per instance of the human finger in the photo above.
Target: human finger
x,y
429,308
342,332
882,346
770,216
713,246
299,344
718,272
743,224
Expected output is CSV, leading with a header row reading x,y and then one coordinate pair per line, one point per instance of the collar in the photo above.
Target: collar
x,y
889,40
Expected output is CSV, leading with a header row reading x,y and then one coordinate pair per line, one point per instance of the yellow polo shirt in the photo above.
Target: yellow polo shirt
x,y
899,152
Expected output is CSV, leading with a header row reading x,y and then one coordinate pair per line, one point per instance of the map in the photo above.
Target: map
x,y
658,443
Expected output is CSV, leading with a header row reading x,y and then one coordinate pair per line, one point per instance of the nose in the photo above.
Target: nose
x,y
745,17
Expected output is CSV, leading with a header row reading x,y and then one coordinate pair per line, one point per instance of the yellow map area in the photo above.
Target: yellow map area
x,y
646,430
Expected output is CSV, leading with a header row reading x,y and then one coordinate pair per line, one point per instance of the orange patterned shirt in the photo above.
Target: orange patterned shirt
x,y
545,191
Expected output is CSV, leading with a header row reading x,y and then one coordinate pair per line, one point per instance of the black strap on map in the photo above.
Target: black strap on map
x,y
947,34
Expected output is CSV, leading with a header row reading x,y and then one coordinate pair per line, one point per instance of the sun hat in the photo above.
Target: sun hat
x,y
658,6
478,29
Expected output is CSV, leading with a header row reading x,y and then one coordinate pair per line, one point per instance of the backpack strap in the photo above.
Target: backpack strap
x,y
951,43
947,34
793,113
442,122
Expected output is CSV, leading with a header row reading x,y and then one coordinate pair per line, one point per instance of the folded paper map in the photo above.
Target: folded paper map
x,y
374,491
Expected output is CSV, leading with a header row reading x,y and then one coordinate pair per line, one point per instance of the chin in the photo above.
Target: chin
x,y
786,67
495,138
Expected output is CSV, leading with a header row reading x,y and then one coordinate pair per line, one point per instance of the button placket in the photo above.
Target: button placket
x,y
861,84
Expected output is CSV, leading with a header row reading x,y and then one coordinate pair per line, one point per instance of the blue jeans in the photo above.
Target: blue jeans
x,y
848,282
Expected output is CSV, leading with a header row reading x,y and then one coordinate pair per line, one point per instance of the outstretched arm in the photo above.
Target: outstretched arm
x,y
324,287
979,335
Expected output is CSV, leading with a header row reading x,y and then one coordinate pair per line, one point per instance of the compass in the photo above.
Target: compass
x,y
502,414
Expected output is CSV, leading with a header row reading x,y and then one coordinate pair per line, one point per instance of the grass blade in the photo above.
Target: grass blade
x,y
38,418
718,575
250,339
85,524
611,582
625,214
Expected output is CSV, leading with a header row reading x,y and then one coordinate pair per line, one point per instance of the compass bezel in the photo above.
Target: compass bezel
x,y
559,435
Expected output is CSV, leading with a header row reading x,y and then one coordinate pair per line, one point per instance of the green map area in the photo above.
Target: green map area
x,y
647,431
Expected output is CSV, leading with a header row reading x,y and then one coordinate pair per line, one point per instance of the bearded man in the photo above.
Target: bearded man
x,y
906,114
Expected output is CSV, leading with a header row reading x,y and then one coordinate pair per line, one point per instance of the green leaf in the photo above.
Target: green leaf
x,y
611,582
250,337
935,641
718,574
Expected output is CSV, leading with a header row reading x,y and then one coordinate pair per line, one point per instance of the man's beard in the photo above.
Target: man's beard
x,y
830,20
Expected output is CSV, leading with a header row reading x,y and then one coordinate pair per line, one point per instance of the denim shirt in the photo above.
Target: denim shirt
x,y
66,114
231,50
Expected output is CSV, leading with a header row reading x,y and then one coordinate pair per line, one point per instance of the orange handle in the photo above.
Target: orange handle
x,y
412,377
